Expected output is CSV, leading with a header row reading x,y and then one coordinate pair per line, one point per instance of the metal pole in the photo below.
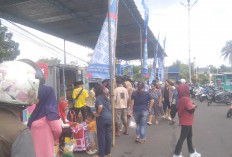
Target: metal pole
x,y
189,7
141,54
190,77
209,75
111,69
64,72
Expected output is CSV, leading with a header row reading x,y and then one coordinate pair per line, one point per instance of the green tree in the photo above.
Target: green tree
x,y
203,78
137,73
49,60
183,68
8,48
227,51
213,69
224,69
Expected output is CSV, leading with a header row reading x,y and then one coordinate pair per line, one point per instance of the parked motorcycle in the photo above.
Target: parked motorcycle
x,y
199,92
205,94
219,96
229,113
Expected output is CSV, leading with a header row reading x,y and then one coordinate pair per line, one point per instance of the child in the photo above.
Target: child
x,y
92,132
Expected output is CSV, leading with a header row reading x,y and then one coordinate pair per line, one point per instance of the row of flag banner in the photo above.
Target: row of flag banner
x,y
99,65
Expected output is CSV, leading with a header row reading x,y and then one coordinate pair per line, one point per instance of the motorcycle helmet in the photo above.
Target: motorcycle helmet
x,y
19,84
39,74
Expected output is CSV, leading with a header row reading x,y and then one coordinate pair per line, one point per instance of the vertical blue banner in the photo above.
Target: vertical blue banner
x,y
118,68
161,64
122,70
153,71
145,53
99,65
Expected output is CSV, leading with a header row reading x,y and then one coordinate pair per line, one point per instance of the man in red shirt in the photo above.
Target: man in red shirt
x,y
186,115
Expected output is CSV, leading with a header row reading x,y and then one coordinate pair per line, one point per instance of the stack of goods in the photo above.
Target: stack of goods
x,y
69,147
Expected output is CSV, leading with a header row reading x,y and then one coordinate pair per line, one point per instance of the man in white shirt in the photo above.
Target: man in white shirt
x,y
121,98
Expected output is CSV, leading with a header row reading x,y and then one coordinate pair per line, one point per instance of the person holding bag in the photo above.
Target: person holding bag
x,y
141,102
80,95
65,124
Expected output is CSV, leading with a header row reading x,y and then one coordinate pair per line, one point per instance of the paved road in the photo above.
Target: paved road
x,y
212,136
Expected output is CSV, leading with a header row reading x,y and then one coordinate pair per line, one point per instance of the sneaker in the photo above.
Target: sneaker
x,y
95,151
164,116
178,155
171,123
90,152
195,154
149,123
169,118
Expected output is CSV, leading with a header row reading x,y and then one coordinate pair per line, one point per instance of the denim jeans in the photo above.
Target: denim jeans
x,y
141,118
104,136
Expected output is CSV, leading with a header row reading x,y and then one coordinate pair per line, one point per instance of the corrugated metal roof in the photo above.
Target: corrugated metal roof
x,y
80,21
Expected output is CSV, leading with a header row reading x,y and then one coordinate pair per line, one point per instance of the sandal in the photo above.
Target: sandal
x,y
142,141
125,133
137,140
149,123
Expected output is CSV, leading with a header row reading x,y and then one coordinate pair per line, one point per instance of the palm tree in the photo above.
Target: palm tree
x,y
227,51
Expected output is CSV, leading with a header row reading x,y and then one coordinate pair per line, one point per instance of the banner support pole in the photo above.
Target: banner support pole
x,y
141,54
64,71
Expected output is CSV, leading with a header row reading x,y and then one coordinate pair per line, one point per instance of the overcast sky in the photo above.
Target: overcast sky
x,y
211,27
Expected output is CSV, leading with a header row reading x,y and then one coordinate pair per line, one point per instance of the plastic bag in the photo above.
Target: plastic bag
x,y
69,145
132,123
56,150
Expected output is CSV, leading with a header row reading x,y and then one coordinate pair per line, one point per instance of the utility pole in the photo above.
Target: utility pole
x,y
64,86
189,7
209,75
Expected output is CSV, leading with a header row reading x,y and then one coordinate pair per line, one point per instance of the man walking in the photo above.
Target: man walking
x,y
121,99
79,95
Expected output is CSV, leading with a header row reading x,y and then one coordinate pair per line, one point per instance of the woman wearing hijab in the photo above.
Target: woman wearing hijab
x,y
104,122
186,114
44,123
65,124
141,101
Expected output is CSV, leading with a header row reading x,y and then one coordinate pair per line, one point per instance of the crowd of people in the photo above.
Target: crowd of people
x,y
50,123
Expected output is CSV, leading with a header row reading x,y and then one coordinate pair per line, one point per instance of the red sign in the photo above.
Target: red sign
x,y
44,68
88,74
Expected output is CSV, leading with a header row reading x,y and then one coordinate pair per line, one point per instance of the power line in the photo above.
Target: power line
x,y
44,41
23,36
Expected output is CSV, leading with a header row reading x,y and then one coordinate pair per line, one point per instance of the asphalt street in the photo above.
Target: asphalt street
x,y
212,136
